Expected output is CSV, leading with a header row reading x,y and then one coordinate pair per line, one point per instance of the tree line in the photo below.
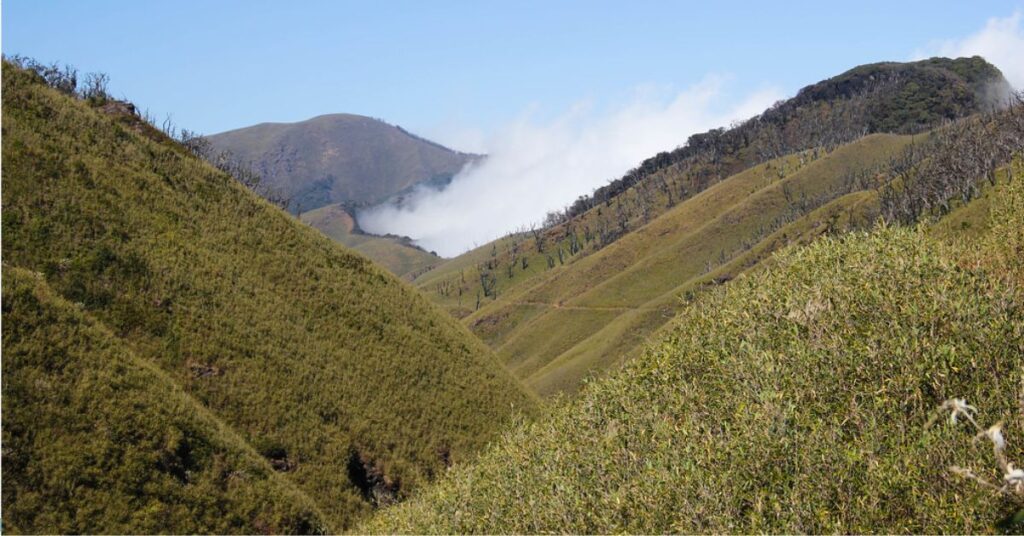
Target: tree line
x,y
953,165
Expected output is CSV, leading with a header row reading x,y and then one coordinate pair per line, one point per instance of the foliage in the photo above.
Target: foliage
x,y
583,318
286,337
953,164
97,439
794,399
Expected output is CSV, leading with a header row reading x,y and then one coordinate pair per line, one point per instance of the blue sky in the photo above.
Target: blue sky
x,y
437,66
562,96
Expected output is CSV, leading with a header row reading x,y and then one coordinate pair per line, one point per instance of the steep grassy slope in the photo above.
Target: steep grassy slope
x,y
623,337
798,399
400,258
887,97
549,332
340,157
877,98
350,383
98,440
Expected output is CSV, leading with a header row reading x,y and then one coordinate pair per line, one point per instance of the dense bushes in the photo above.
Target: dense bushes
x,y
797,399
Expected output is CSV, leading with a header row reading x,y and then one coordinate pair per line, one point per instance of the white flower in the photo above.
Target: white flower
x,y
959,406
1014,478
995,435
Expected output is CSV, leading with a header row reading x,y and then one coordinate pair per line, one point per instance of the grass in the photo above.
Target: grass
x,y
347,380
800,398
401,259
97,439
454,283
601,307
623,337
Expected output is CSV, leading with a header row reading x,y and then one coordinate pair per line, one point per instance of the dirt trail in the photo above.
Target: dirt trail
x,y
579,307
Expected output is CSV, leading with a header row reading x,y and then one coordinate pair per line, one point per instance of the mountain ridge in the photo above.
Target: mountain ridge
x,y
575,272
340,157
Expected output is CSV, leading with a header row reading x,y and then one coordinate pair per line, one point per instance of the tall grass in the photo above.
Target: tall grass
x,y
796,399
340,375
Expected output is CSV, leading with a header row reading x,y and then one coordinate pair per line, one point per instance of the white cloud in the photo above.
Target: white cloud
x,y
1001,42
537,166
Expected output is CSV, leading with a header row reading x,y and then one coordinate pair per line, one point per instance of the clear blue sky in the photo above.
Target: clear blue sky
x,y
221,65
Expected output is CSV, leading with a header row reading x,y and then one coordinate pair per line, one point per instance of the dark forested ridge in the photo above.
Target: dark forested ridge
x,y
891,97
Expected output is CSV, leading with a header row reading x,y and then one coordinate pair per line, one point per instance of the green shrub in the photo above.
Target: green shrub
x,y
796,399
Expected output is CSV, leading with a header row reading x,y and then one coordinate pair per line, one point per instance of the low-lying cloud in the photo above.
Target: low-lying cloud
x,y
534,167
1001,42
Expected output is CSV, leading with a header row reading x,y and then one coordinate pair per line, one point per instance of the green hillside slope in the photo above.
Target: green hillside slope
x,y
623,337
568,301
350,383
593,312
804,398
889,97
400,258
98,440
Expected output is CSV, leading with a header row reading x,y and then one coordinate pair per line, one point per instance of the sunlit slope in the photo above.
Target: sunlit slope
x,y
635,285
901,98
350,383
797,399
98,440
622,338
975,219
401,259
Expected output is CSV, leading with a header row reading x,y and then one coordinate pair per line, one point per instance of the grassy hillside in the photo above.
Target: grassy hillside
x,y
340,157
352,385
623,264
97,439
877,98
803,398
578,319
623,337
400,258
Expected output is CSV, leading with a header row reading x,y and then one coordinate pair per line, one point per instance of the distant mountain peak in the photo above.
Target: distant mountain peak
x,y
340,158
